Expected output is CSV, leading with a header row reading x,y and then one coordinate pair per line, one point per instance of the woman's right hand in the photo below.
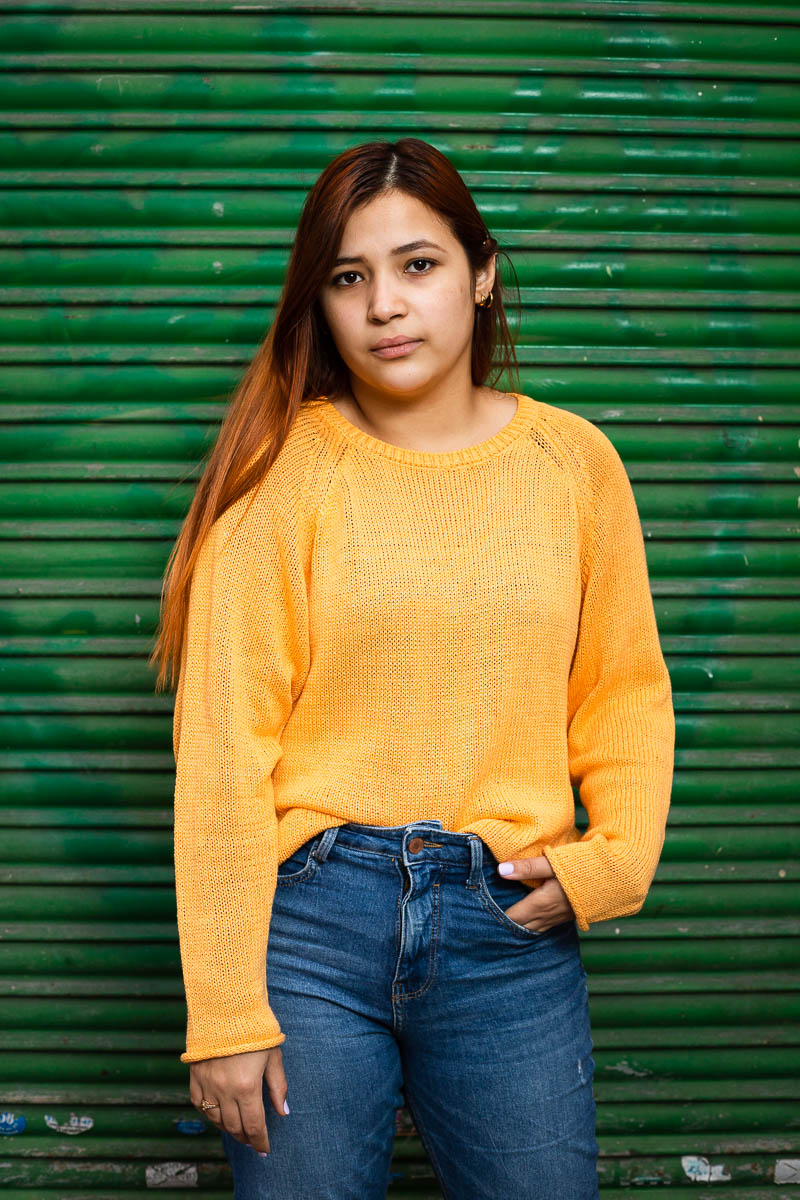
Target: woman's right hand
x,y
234,1082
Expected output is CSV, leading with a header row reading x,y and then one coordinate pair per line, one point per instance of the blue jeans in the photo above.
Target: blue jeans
x,y
398,979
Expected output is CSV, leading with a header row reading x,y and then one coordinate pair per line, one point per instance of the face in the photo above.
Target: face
x,y
401,273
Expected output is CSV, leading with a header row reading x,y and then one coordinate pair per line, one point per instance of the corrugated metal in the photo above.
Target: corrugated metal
x,y
640,163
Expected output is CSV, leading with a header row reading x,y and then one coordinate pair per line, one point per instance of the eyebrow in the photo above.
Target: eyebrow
x,y
398,250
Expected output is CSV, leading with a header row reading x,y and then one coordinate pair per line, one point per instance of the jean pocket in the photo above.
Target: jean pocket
x,y
497,894
300,865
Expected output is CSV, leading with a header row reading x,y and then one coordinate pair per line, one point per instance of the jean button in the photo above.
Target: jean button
x,y
415,845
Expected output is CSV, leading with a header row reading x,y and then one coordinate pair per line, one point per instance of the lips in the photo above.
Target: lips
x,y
396,347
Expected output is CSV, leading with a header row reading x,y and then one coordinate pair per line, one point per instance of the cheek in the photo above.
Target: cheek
x,y
340,322
448,312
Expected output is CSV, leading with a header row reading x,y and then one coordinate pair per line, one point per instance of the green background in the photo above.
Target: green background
x,y
639,163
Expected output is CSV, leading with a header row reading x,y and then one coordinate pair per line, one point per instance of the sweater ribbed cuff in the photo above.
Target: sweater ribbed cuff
x,y
199,1053
595,882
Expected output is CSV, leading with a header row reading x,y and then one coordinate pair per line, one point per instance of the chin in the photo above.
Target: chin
x,y
403,388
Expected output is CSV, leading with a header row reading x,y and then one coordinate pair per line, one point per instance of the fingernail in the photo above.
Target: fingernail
x,y
506,868
263,1153
286,1108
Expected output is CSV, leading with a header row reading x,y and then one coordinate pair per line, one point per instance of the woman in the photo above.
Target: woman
x,y
411,612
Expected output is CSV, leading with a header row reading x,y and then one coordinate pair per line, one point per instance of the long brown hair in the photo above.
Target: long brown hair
x,y
298,359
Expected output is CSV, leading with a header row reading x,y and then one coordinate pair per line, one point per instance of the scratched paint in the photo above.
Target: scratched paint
x,y
75,1124
171,1175
787,1170
701,1170
625,1068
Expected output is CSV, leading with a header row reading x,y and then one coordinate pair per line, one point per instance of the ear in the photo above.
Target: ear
x,y
484,279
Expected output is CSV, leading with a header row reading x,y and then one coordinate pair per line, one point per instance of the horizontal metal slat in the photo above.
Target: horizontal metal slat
x,y
718,616
399,38
92,847
758,12
122,800
524,216
707,336
436,100
734,872
129,932
752,281
278,157
136,561
678,510
97,529
148,587
96,909
141,443
500,180
614,983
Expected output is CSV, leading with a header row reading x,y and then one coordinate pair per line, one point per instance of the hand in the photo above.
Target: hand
x,y
547,905
234,1081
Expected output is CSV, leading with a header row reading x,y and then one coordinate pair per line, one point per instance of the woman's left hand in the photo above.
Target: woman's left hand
x,y
547,905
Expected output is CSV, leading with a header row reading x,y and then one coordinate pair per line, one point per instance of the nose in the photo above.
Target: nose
x,y
385,298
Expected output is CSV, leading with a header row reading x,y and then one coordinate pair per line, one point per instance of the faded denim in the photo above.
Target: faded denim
x,y
398,979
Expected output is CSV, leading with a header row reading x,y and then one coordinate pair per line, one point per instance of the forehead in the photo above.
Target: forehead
x,y
390,219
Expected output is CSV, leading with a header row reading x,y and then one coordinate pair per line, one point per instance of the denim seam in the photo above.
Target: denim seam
x,y
307,871
432,956
525,933
397,1010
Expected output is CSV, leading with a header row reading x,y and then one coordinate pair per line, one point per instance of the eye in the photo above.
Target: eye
x,y
336,278
421,260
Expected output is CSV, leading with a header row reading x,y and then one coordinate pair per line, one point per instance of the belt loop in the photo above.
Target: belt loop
x,y
476,860
322,845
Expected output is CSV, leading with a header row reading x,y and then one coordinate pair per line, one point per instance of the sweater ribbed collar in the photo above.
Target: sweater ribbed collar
x,y
519,424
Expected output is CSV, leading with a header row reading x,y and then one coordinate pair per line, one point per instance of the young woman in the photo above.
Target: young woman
x,y
411,612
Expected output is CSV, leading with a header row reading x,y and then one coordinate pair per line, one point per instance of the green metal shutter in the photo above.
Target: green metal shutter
x,y
639,161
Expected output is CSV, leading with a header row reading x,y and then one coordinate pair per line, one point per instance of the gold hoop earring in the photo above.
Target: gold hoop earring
x,y
486,301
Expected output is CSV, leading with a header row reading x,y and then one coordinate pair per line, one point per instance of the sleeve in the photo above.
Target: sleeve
x,y
243,663
621,723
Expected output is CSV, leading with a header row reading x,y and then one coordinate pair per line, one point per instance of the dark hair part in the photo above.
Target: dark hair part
x,y
298,359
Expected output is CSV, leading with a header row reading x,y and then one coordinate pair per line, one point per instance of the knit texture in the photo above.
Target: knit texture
x,y
379,634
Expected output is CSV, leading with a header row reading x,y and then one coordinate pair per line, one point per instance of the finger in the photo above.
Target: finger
x,y
277,1084
231,1119
524,912
212,1114
540,911
196,1091
253,1122
526,868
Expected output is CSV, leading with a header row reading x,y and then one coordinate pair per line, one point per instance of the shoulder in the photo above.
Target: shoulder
x,y
283,504
574,434
585,449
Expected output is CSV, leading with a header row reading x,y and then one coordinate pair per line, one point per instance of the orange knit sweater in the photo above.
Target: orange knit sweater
x,y
378,634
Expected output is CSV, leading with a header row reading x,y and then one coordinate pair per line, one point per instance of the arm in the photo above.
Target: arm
x,y
621,724
244,660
